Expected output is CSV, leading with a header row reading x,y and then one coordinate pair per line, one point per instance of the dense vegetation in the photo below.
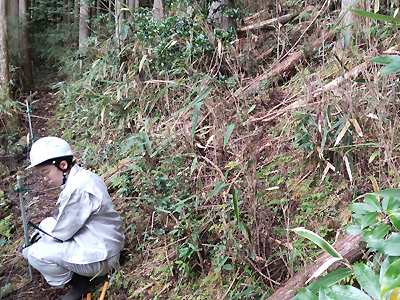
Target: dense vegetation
x,y
210,175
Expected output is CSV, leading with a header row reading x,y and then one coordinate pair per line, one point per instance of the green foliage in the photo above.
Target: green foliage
x,y
370,218
6,228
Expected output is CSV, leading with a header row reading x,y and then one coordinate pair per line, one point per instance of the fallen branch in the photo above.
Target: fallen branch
x,y
287,64
348,247
282,19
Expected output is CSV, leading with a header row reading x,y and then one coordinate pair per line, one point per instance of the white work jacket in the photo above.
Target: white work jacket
x,y
88,225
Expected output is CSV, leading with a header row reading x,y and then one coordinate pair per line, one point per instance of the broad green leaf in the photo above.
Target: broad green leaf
x,y
388,193
346,292
228,133
362,208
385,265
305,294
196,112
329,279
391,69
316,239
388,203
395,219
373,16
380,231
386,60
219,186
373,156
323,293
391,278
245,230
235,204
368,220
389,246
228,267
368,280
372,201
354,229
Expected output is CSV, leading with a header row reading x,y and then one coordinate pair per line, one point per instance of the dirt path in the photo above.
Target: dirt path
x,y
42,201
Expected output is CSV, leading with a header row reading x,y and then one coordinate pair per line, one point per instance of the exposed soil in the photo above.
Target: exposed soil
x,y
42,200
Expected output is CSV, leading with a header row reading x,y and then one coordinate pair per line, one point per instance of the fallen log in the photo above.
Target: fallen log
x,y
287,64
348,247
282,20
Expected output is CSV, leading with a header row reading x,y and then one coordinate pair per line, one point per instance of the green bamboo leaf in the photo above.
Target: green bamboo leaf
x,y
391,278
373,16
235,204
198,99
193,167
245,230
373,156
347,292
219,186
329,279
316,239
196,112
142,61
368,280
147,142
228,133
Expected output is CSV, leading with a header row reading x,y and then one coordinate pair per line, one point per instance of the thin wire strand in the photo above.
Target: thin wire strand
x,y
12,268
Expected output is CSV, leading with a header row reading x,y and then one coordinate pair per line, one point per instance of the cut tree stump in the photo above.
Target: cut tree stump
x,y
349,247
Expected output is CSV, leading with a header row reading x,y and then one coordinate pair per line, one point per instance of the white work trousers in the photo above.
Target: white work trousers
x,y
43,256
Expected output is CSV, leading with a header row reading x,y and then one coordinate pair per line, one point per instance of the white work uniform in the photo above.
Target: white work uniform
x,y
88,225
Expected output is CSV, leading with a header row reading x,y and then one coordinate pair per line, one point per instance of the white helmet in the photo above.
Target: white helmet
x,y
47,148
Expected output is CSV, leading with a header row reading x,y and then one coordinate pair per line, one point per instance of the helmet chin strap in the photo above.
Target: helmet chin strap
x,y
62,170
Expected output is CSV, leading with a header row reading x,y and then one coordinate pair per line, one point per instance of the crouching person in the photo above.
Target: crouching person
x,y
85,235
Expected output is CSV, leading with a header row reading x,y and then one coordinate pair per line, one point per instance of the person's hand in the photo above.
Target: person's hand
x,y
35,236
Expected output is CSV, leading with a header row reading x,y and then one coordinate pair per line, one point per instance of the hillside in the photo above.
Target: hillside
x,y
215,148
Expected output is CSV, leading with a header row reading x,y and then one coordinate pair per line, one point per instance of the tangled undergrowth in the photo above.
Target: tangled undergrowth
x,y
209,175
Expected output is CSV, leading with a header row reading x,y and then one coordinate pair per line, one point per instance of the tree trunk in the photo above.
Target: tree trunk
x,y
118,21
12,25
66,10
158,10
216,18
24,49
84,31
132,4
348,18
4,60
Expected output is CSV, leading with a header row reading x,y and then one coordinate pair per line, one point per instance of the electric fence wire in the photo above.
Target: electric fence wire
x,y
28,111
12,267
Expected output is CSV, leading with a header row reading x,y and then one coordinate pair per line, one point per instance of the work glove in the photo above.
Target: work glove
x,y
35,236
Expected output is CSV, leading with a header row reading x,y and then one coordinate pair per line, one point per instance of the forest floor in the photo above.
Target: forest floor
x,y
42,202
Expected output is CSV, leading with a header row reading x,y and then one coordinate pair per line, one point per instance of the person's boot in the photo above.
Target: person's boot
x,y
81,286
